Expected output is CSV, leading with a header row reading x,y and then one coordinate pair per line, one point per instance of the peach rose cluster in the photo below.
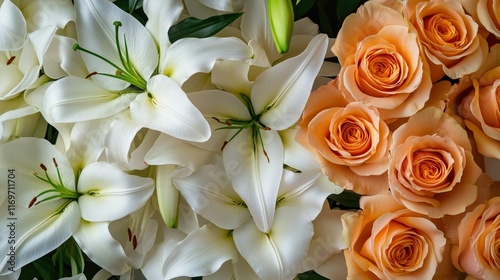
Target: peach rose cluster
x,y
406,124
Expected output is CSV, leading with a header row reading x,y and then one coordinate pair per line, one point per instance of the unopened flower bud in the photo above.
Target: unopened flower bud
x,y
280,13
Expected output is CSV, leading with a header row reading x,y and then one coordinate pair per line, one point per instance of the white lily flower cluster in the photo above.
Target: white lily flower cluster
x,y
174,159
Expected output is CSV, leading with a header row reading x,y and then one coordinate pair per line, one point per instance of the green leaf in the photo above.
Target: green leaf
x,y
345,8
300,9
310,275
324,22
133,7
51,134
45,268
200,28
347,199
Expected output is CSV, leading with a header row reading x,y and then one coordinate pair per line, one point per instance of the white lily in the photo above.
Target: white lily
x,y
123,64
210,194
56,205
253,154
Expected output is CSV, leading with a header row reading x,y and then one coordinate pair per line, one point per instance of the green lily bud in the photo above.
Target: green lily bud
x,y
280,13
168,196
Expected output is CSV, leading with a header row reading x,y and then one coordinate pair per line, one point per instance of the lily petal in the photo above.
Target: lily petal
x,y
108,193
167,109
96,242
161,16
31,59
306,191
12,27
166,239
232,76
126,142
36,99
253,174
42,13
270,255
60,60
296,155
96,32
210,194
202,252
255,26
38,231
223,5
87,142
188,56
74,99
170,150
281,92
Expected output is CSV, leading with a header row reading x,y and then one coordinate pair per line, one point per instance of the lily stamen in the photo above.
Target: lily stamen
x,y
59,188
127,71
10,60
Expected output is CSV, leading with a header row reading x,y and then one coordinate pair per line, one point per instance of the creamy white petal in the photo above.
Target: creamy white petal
x,y
74,99
306,191
232,76
210,193
96,32
42,13
254,177
87,142
196,9
334,268
224,5
127,143
296,155
60,60
192,55
108,193
166,239
281,92
167,109
202,252
219,104
327,240
255,26
272,256
170,150
31,59
96,242
12,27
36,98
15,108
36,231
161,16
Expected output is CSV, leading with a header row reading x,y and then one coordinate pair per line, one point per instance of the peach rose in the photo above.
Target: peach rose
x,y
382,64
475,248
432,170
450,37
487,12
387,241
481,111
349,140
